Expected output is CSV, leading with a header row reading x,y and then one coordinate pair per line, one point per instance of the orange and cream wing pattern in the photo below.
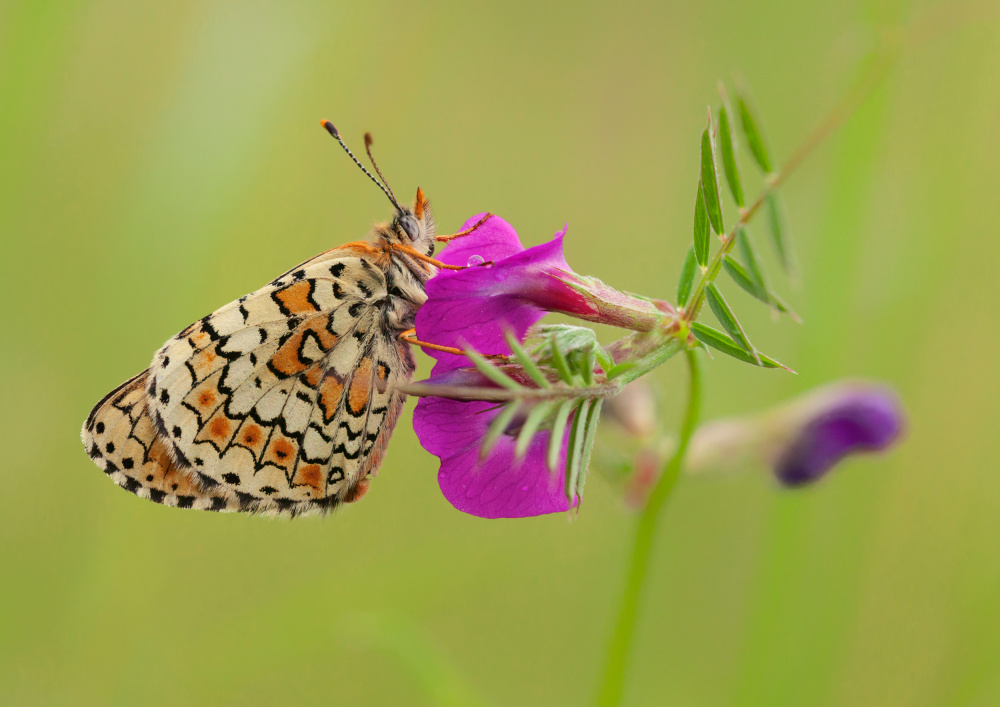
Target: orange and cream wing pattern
x,y
284,400
120,437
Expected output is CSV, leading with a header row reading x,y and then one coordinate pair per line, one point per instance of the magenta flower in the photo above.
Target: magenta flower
x,y
857,419
473,308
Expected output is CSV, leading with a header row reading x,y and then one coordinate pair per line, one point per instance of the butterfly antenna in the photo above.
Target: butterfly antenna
x,y
332,129
369,141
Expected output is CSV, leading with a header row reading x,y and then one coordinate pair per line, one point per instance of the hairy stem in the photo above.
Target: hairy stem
x,y
620,645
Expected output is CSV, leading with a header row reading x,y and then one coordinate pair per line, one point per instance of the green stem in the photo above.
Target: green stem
x,y
620,644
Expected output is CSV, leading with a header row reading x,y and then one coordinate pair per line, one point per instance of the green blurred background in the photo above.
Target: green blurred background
x,y
160,159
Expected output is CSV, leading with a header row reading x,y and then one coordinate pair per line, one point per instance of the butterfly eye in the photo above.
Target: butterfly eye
x,y
408,224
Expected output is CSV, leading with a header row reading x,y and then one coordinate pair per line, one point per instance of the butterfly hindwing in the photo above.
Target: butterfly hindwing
x,y
122,438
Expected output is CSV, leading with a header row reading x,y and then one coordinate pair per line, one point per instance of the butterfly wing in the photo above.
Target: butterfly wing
x,y
285,399
120,437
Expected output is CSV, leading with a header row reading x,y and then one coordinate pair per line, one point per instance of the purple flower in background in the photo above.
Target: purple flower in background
x,y
474,307
851,420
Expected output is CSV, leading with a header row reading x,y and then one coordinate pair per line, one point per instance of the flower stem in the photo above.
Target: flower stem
x,y
619,647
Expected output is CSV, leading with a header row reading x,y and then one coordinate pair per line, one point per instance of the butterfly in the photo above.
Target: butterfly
x,y
283,401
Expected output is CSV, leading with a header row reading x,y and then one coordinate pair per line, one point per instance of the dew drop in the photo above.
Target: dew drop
x,y
476,260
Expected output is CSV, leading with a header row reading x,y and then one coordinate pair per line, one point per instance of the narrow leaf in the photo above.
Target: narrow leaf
x,y
779,232
559,361
576,436
724,313
527,363
740,276
727,141
755,140
490,371
593,418
531,424
720,342
701,234
749,254
557,434
497,427
686,281
709,181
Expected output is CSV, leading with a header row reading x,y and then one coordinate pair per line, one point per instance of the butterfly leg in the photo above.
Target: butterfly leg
x,y
453,236
409,336
413,253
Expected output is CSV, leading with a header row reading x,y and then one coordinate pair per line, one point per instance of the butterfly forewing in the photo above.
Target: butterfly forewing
x,y
284,397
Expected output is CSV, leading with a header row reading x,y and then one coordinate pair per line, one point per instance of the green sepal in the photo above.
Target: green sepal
x,y
701,233
557,434
527,363
727,141
593,418
539,413
577,434
751,130
727,318
686,281
710,181
721,342
589,364
560,363
604,358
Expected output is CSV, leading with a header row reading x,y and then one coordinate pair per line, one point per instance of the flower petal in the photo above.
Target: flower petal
x,y
499,486
862,420
494,240
474,306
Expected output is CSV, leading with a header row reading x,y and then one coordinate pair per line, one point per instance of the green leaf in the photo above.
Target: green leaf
x,y
575,451
724,313
686,281
531,424
749,254
701,234
593,418
720,342
709,180
755,140
527,363
497,427
727,141
780,233
558,432
740,276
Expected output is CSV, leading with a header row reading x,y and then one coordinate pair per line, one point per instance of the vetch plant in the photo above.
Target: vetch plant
x,y
512,405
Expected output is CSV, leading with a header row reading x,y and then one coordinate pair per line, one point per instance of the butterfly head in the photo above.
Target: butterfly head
x,y
415,227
